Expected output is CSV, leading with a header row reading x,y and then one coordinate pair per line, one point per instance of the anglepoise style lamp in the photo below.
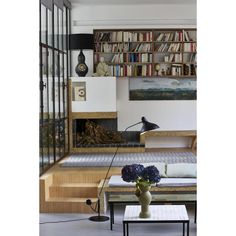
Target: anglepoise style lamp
x,y
81,41
147,126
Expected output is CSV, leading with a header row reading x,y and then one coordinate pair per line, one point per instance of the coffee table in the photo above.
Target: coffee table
x,y
159,214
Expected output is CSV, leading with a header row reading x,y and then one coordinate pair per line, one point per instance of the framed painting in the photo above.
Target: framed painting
x,y
162,89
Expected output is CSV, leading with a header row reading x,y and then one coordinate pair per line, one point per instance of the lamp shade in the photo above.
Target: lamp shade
x,y
147,126
80,41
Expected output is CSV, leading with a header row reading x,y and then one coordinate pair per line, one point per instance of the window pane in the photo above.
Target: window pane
x,y
43,24
64,28
55,27
49,28
50,81
60,29
66,136
66,86
56,87
61,86
45,83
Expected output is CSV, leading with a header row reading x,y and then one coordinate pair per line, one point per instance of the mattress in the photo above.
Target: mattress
x,y
121,159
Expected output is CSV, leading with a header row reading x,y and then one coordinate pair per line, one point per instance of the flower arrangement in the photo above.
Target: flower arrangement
x,y
142,176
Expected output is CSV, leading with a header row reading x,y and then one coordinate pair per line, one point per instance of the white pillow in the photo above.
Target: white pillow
x,y
181,170
161,166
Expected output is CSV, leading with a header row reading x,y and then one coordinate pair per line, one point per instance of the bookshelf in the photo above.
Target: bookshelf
x,y
147,52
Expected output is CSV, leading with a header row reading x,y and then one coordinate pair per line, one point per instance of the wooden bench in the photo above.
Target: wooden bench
x,y
171,133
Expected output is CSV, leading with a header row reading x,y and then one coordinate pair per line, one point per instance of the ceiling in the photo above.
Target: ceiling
x,y
100,2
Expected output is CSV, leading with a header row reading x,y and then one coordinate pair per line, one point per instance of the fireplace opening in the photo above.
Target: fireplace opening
x,y
102,133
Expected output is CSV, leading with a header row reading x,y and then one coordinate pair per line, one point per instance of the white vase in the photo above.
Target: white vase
x,y
145,199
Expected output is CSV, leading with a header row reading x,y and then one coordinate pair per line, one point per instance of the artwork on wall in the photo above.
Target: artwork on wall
x,y
162,89
79,91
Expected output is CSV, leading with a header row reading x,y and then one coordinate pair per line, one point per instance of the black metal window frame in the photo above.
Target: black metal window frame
x,y
60,123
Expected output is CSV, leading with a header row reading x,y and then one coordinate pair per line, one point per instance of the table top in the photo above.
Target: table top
x,y
158,213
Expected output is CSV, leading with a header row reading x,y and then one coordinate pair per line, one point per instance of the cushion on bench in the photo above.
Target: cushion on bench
x,y
181,170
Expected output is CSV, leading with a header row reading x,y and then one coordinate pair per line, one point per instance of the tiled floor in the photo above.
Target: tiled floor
x,y
84,227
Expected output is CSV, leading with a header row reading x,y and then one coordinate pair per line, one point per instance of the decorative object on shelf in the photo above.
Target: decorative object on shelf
x,y
81,41
157,68
102,68
143,177
147,126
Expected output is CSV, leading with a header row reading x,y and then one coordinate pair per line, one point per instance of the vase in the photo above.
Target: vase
x,y
145,199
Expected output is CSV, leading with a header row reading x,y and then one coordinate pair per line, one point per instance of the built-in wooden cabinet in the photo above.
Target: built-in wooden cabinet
x,y
147,52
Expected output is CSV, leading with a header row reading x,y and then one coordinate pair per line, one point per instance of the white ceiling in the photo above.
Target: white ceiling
x,y
133,1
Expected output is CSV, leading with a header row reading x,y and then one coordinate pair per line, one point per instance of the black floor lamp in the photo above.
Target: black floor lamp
x,y
147,126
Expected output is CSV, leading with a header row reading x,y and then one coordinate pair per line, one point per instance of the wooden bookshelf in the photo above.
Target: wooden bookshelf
x,y
147,52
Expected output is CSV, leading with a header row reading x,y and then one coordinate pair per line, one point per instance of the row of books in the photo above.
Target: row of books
x,y
176,69
137,57
187,38
189,69
120,47
193,58
117,58
190,47
170,36
137,37
166,47
115,36
124,36
131,70
105,47
173,57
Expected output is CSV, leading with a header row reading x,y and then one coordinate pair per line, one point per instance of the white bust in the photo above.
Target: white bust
x,y
102,68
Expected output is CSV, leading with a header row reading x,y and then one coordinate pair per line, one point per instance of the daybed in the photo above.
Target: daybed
x,y
178,185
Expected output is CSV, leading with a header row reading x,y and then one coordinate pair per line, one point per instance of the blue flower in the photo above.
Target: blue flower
x,y
131,173
137,173
150,174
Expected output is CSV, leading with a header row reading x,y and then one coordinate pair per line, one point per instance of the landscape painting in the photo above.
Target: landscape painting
x,y
162,89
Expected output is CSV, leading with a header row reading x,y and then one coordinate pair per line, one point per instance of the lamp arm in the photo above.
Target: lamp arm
x,y
113,159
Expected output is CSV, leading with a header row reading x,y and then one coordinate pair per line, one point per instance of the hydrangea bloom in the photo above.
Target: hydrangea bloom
x,y
151,174
130,173
137,173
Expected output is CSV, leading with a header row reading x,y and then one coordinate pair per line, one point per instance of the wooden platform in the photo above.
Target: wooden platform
x,y
65,190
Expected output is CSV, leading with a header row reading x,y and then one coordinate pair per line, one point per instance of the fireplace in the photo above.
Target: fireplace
x,y
102,133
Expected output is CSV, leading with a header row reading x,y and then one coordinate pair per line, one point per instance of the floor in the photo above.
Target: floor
x,y
81,226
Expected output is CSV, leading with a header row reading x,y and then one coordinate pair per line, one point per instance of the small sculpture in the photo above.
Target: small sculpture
x,y
102,68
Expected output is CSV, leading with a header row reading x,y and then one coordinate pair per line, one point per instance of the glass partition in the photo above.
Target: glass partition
x,y
54,71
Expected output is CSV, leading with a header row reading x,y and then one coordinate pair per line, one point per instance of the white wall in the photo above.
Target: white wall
x,y
98,97
169,115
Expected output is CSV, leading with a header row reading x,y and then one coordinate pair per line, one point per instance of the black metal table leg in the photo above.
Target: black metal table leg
x,y
127,228
195,213
123,228
113,214
188,228
183,229
111,221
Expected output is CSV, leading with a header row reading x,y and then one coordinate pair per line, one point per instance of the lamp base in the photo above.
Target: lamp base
x,y
99,218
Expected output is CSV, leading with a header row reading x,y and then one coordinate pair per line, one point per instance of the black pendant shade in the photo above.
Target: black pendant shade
x,y
81,41
147,126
